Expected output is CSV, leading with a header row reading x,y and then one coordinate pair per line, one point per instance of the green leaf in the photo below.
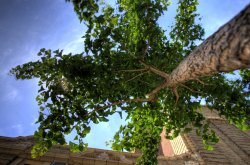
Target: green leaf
x,y
209,147
120,113
103,119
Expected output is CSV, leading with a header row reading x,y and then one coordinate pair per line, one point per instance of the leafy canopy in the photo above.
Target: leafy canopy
x,y
125,52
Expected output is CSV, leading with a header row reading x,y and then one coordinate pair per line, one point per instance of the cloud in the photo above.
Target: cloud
x,y
5,55
74,46
4,62
33,122
12,130
10,95
212,26
17,128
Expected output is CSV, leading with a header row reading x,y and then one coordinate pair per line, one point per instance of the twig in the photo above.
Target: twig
x,y
145,51
136,76
176,95
245,94
132,70
190,88
146,83
157,89
201,82
155,70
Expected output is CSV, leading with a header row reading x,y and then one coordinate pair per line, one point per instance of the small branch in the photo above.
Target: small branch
x,y
146,83
145,51
155,70
132,70
246,94
136,76
201,81
176,95
189,88
165,85
157,89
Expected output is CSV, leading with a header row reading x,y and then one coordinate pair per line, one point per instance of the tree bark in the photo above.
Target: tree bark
x,y
226,50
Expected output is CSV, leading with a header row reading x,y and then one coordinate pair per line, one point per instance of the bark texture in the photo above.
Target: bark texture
x,y
226,50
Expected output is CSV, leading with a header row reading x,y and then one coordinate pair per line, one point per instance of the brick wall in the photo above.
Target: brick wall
x,y
233,147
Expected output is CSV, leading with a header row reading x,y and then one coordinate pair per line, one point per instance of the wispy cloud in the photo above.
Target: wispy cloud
x,y
74,46
10,94
213,25
5,55
17,128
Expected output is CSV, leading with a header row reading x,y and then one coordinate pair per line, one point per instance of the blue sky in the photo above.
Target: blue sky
x,y
28,25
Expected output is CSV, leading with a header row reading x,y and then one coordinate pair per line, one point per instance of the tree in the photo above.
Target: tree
x,y
157,77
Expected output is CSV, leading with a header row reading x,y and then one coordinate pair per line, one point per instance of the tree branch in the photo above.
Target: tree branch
x,y
145,51
201,81
155,70
189,88
147,83
157,90
176,95
132,70
226,50
136,76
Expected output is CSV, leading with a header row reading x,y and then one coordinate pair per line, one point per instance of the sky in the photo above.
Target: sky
x,y
26,26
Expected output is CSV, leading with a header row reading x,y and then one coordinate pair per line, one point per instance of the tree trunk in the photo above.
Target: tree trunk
x,y
226,50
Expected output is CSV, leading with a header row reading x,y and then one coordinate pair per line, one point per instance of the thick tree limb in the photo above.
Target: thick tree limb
x,y
226,50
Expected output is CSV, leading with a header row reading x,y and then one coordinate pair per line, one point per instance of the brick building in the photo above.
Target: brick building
x,y
233,148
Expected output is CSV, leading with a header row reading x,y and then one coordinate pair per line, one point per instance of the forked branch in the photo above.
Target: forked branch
x,y
154,70
157,90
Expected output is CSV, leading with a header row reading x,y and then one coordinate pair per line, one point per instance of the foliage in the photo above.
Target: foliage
x,y
121,44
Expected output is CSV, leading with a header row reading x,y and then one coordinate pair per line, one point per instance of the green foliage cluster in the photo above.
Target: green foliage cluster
x,y
109,76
